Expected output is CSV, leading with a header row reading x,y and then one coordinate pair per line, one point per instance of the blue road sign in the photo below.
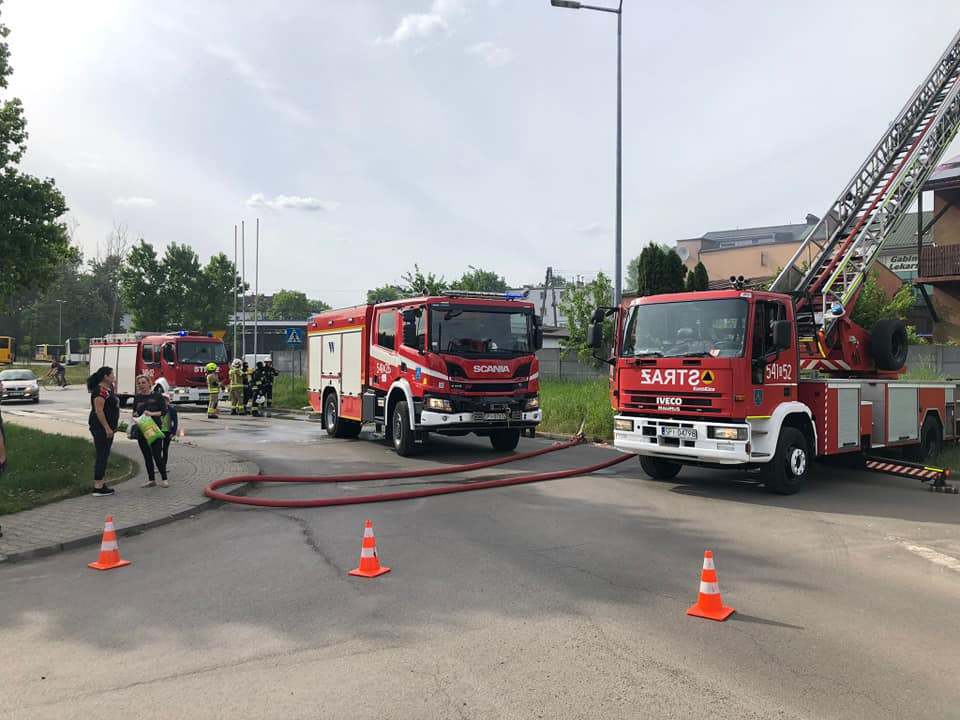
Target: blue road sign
x,y
294,336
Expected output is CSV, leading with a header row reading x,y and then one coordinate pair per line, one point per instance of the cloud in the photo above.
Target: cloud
x,y
291,202
417,26
135,202
595,230
491,53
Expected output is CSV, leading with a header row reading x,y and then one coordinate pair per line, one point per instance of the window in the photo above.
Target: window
x,y
765,315
714,328
4,343
201,353
168,353
147,354
387,329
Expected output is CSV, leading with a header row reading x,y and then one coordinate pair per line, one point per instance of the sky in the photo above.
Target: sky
x,y
369,135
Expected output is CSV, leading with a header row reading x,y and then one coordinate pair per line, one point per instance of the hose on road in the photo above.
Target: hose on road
x,y
211,490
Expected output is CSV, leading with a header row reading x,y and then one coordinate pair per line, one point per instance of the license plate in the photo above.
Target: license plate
x,y
679,433
490,416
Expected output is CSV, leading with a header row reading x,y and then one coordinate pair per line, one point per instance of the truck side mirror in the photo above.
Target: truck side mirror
x,y
537,339
595,333
782,334
598,315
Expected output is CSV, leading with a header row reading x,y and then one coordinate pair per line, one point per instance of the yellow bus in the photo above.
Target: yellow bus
x,y
48,353
8,346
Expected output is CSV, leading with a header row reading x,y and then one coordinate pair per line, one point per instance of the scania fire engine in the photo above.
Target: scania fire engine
x,y
455,364
769,380
176,362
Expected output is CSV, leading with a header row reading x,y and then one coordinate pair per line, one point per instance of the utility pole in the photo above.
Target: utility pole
x,y
256,291
243,282
60,323
234,290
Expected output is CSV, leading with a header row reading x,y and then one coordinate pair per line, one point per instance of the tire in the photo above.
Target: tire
x,y
401,432
659,469
889,345
787,472
931,441
36,400
505,440
336,426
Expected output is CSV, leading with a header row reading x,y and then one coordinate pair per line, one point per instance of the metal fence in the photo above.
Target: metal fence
x,y
939,359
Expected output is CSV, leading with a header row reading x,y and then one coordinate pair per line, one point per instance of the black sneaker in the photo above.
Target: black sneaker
x,y
103,491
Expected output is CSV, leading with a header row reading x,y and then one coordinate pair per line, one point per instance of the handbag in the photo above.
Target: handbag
x,y
148,429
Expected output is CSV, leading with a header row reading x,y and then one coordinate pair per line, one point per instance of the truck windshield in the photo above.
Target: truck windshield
x,y
474,332
699,328
200,353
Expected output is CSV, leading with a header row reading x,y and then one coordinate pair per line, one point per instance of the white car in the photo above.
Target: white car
x,y
19,385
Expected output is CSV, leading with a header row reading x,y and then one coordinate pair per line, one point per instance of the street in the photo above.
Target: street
x,y
563,599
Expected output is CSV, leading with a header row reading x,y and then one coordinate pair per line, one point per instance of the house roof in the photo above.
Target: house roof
x,y
945,176
905,236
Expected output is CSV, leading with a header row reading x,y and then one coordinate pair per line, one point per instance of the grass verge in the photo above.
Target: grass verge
x,y
290,395
566,403
44,468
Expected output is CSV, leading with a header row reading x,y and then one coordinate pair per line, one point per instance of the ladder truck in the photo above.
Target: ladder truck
x,y
714,378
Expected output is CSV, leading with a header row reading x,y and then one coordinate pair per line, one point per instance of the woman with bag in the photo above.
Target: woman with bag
x,y
148,411
103,419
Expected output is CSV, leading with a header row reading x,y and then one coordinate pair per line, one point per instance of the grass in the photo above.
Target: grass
x,y
566,403
285,396
44,468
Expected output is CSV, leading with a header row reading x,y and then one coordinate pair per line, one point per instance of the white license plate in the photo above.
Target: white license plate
x,y
680,433
490,416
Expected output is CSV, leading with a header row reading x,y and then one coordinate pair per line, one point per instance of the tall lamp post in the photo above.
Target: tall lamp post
x,y
618,253
60,323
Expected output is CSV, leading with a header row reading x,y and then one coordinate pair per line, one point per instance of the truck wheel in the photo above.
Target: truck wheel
x,y
931,441
659,469
888,344
786,473
505,439
336,426
402,434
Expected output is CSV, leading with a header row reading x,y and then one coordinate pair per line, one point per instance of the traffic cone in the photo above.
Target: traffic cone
x,y
709,604
370,566
109,549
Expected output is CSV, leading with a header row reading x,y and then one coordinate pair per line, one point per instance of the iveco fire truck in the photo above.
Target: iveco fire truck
x,y
455,364
176,362
769,380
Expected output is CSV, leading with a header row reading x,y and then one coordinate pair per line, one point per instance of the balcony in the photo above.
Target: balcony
x,y
939,265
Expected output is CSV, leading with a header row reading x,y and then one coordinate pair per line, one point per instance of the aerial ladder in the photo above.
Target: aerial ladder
x,y
826,274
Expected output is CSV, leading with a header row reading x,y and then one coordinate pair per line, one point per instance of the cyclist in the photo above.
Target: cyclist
x,y
58,372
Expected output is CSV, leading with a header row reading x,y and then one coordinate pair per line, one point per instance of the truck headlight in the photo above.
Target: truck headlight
x,y
532,403
438,404
727,433
625,424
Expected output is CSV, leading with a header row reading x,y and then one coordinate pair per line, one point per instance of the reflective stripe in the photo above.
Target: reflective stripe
x,y
368,552
108,527
108,545
368,532
709,588
708,563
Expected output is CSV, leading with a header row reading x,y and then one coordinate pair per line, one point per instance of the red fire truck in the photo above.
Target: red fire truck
x,y
175,360
769,380
453,364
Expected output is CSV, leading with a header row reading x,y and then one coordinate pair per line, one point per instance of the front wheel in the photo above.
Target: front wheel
x,y
505,439
403,440
659,469
786,473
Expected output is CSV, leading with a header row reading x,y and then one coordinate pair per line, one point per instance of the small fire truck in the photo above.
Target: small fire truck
x,y
769,380
176,361
455,364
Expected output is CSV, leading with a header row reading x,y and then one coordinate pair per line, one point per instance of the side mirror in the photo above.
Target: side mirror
x,y
537,339
595,334
598,315
782,334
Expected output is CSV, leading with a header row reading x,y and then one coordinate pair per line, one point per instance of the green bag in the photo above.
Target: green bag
x,y
148,429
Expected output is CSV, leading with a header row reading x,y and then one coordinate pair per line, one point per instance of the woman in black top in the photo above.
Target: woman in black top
x,y
104,416
152,404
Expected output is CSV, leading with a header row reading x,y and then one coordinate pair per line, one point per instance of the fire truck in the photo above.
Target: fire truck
x,y
455,364
769,380
176,362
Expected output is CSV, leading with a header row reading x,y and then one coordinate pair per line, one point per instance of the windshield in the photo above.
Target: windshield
x,y
200,353
704,328
462,331
17,375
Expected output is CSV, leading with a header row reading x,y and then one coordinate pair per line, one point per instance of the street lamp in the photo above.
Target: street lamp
x,y
60,324
618,254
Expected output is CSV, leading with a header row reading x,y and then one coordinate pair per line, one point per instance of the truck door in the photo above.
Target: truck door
x,y
150,358
383,351
773,373
168,363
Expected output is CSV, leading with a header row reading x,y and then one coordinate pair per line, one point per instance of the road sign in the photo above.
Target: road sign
x,y
294,336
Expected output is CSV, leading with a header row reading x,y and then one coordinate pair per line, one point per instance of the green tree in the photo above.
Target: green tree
x,y
33,240
577,305
698,279
142,288
384,293
480,280
655,271
218,282
873,304
181,293
418,283
294,305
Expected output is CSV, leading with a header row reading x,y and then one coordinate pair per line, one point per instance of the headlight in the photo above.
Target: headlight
x,y
439,404
28,391
532,403
727,433
623,424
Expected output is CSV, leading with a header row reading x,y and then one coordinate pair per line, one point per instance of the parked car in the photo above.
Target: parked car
x,y
19,385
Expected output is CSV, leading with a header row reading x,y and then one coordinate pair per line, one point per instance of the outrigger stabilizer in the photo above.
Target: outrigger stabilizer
x,y
937,477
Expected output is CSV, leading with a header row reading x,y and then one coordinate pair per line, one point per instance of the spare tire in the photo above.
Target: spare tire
x,y
889,345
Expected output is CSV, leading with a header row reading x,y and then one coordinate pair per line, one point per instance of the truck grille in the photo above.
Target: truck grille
x,y
690,403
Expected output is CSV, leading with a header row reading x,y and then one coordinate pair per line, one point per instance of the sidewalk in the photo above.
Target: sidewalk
x,y
78,521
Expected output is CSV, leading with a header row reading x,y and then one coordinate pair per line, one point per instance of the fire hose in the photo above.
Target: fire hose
x,y
211,490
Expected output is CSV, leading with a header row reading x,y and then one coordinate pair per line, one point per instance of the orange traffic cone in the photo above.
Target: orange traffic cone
x,y
109,549
370,566
709,604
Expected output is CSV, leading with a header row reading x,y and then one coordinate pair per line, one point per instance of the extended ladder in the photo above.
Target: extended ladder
x,y
832,262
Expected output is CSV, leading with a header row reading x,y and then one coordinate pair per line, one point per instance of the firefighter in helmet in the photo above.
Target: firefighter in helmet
x,y
236,388
213,389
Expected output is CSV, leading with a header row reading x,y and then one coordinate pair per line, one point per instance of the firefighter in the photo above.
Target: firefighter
x,y
257,390
236,388
247,390
266,385
213,388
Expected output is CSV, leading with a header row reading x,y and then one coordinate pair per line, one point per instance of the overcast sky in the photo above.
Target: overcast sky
x,y
371,134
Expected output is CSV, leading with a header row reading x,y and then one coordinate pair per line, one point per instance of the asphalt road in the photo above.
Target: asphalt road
x,y
563,599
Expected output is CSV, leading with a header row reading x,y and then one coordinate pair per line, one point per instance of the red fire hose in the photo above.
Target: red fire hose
x,y
211,490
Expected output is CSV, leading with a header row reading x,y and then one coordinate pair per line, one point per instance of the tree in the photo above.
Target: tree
x,y
142,287
419,284
218,282
480,280
384,293
181,294
577,305
697,280
294,305
656,271
873,304
33,240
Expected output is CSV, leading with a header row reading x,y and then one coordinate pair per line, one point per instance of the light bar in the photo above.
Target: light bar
x,y
509,295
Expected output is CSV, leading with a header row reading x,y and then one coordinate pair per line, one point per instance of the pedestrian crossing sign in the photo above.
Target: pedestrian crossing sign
x,y
294,336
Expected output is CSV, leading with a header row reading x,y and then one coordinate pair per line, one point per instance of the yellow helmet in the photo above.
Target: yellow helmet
x,y
211,366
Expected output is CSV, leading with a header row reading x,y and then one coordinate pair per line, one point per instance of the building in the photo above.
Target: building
x,y
938,250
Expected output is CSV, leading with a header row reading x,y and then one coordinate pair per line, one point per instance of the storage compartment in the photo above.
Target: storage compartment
x,y
902,418
875,394
848,418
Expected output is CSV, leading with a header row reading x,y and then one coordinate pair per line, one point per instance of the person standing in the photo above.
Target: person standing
x,y
150,404
266,384
103,419
256,391
236,388
247,390
213,390
169,425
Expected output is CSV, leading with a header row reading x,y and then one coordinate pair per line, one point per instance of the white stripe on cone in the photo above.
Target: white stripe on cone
x,y
708,564
108,527
709,588
368,532
368,552
108,545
